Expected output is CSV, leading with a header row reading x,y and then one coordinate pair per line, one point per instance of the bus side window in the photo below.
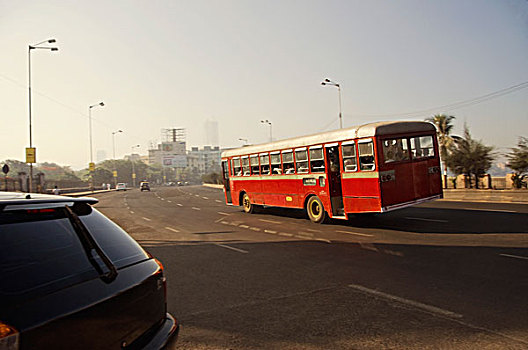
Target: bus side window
x,y
317,160
301,159
349,157
366,156
264,164
245,166
235,167
287,163
276,163
254,161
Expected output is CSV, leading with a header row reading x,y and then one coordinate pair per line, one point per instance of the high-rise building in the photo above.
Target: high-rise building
x,y
211,132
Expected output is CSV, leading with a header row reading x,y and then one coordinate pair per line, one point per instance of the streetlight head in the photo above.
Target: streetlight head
x,y
119,130
54,49
101,104
327,80
323,83
51,41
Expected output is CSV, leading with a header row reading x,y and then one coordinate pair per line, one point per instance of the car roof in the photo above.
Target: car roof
x,y
18,198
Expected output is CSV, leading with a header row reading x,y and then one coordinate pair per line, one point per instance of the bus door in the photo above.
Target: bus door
x,y
225,177
334,179
396,175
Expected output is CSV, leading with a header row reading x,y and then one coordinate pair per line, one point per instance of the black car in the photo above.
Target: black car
x,y
72,279
144,186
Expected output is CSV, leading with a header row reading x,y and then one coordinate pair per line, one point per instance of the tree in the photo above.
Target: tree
x,y
444,127
518,162
470,157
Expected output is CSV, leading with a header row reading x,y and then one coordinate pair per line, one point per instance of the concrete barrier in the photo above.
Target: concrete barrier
x,y
497,196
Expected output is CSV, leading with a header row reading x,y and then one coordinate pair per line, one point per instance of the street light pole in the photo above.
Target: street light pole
x,y
269,123
91,166
331,83
113,147
33,47
133,169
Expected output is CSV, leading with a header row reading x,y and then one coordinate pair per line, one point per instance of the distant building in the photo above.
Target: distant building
x,y
205,160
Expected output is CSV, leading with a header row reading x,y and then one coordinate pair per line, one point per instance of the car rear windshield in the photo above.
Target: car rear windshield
x,y
41,250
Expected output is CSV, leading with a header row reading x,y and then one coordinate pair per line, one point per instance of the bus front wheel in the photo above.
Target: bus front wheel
x,y
315,210
247,205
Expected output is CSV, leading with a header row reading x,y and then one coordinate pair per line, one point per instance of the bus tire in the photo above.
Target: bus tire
x,y
315,210
247,205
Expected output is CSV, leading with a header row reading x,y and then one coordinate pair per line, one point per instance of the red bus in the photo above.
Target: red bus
x,y
372,168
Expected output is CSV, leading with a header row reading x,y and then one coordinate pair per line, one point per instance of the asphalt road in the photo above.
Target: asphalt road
x,y
442,275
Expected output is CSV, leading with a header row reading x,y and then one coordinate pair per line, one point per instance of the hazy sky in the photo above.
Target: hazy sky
x,y
164,64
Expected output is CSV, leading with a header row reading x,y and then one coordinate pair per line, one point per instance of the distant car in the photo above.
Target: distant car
x,y
73,279
121,187
144,186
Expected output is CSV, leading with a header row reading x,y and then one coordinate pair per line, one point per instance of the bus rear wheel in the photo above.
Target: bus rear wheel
x,y
247,205
315,210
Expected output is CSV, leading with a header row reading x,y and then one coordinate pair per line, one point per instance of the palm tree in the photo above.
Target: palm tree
x,y
445,140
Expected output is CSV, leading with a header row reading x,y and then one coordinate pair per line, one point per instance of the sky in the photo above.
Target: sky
x,y
176,64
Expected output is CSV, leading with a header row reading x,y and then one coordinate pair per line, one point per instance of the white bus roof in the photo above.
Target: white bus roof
x,y
361,131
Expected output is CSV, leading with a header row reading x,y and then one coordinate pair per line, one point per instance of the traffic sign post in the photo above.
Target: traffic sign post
x,y
5,170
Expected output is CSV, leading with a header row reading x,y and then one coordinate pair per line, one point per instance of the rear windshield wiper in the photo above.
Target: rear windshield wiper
x,y
90,245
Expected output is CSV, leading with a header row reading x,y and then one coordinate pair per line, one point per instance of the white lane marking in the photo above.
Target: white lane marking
x,y
416,304
144,218
423,219
323,240
311,230
499,210
244,226
515,256
179,205
356,233
171,229
270,231
218,201
169,201
197,195
205,198
224,222
254,228
285,234
222,213
131,212
162,199
232,248
194,208
270,221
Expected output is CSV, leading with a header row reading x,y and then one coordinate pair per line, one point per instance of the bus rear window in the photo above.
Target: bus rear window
x,y
366,155
395,150
422,147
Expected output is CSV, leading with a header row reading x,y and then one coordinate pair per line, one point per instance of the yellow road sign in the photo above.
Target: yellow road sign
x,y
91,166
31,155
